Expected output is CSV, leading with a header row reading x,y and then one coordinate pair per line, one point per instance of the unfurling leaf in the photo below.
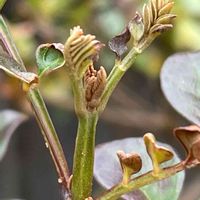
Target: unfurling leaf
x,y
108,173
158,154
94,84
9,121
180,82
80,50
189,136
157,17
10,66
131,163
118,43
49,57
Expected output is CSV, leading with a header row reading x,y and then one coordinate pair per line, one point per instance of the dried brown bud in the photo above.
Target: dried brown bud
x,y
94,84
131,163
189,137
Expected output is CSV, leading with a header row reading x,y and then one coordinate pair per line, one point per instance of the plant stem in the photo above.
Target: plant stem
x,y
116,74
84,157
50,135
118,190
85,143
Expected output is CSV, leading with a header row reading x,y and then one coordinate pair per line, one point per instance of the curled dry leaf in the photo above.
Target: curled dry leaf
x,y
94,84
158,154
118,43
189,136
79,50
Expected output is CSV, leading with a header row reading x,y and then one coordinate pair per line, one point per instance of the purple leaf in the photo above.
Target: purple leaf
x,y
180,82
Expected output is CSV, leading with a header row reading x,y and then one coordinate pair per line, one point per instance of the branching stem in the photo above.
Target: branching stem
x,y
118,190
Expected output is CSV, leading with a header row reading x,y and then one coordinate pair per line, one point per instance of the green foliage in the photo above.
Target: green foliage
x,y
49,57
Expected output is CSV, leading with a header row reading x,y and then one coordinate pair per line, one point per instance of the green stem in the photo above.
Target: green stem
x,y
116,74
85,143
50,135
84,157
118,190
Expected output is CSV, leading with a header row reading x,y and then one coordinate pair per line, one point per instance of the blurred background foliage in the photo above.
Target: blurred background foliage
x,y
137,105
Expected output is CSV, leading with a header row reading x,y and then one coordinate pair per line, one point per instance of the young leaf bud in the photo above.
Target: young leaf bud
x,y
158,154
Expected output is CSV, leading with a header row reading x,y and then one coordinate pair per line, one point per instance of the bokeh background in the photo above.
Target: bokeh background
x,y
136,107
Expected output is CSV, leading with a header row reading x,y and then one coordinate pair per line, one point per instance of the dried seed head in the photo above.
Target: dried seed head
x,y
94,84
80,48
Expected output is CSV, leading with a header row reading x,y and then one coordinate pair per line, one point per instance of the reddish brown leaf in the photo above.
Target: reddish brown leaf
x,y
189,136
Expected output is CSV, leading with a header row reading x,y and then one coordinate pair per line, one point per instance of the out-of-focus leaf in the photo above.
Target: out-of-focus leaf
x,y
9,121
49,57
180,82
108,173
2,2
118,43
189,136
10,66
7,45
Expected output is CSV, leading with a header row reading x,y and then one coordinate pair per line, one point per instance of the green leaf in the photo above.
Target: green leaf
x,y
108,173
7,45
49,57
9,121
10,66
2,2
180,82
